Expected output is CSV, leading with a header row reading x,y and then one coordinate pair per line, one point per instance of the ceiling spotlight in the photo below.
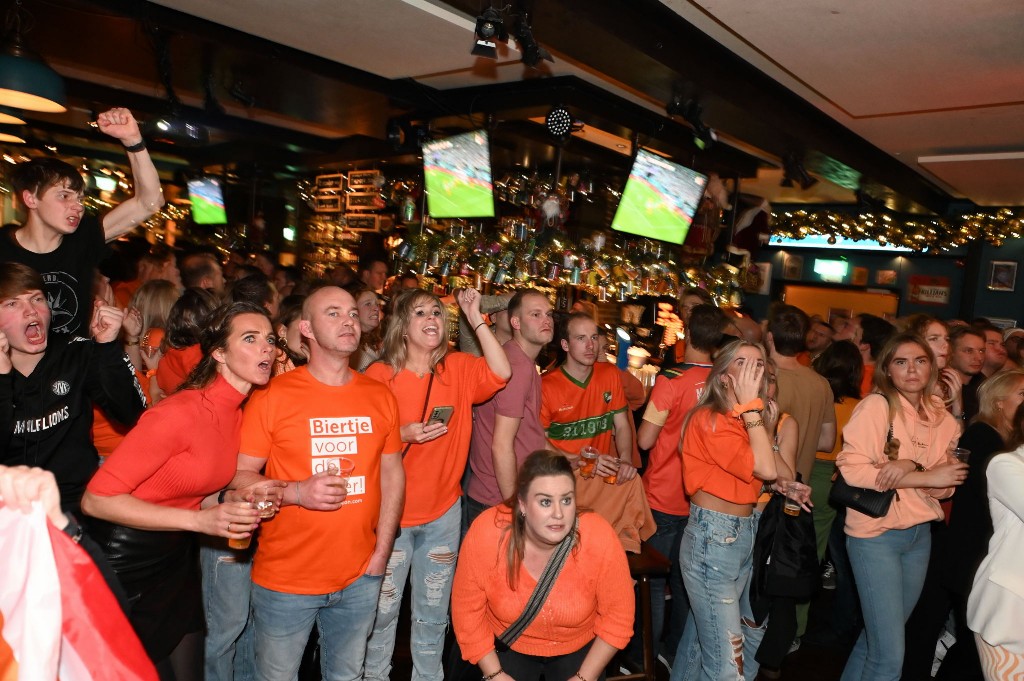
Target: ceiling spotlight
x,y
559,121
793,171
490,28
531,52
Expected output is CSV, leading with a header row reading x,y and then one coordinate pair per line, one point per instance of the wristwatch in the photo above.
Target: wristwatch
x,y
73,529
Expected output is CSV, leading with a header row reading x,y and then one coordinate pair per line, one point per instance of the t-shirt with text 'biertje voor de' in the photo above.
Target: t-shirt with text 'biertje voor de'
x,y
302,426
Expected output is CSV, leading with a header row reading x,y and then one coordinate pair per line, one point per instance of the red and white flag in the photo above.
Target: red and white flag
x,y
59,619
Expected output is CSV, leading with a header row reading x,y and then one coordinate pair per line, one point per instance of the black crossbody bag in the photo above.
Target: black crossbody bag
x,y
864,500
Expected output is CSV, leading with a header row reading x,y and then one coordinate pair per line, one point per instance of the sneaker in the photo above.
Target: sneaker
x,y
795,646
828,577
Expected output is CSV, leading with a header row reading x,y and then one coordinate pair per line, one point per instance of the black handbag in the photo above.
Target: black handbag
x,y
864,500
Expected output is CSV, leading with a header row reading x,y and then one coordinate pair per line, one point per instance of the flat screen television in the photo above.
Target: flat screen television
x,y
457,176
660,199
207,201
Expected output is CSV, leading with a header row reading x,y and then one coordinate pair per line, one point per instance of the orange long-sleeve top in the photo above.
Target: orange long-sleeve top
x,y
593,595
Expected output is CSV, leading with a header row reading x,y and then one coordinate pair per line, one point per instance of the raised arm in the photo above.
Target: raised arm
x,y
148,198
469,302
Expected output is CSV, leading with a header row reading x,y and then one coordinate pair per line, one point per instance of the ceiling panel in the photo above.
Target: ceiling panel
x,y
989,179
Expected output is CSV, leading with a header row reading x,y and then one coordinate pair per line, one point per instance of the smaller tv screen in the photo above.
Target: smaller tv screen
x,y
457,176
660,199
207,201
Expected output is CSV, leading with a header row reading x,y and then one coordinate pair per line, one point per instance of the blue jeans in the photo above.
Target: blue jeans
x,y
230,653
716,558
343,618
666,540
890,571
427,553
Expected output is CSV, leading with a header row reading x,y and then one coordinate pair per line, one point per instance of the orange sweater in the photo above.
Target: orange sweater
x,y
593,595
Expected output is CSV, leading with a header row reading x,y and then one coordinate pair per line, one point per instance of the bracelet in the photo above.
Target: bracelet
x,y
919,468
131,343
474,331
138,146
298,497
491,676
222,496
753,424
755,404
581,677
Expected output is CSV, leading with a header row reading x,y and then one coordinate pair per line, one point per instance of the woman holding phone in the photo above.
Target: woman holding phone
x,y
428,381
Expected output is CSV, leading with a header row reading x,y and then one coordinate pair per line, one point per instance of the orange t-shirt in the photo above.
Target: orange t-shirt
x,y
124,290
107,434
433,470
299,425
575,415
717,458
175,366
867,381
675,393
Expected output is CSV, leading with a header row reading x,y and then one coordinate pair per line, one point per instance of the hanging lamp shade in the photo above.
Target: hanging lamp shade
x,y
26,82
9,116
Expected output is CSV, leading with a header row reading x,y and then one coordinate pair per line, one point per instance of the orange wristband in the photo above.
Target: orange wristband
x,y
753,405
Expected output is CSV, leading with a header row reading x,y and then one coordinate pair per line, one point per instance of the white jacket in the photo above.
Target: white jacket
x,y
995,608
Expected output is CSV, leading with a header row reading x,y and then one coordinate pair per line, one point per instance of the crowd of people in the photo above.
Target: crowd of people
x,y
250,456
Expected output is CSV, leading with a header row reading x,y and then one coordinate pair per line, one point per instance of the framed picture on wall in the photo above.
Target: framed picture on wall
x,y
764,271
1002,275
860,276
793,267
885,277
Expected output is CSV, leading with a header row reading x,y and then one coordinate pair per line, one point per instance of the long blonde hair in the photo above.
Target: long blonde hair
x,y
394,351
993,389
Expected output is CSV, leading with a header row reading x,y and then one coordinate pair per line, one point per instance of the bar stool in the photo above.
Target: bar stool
x,y
642,566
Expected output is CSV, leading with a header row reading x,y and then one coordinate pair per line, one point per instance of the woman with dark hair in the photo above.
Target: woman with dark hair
x,y
970,523
147,500
842,366
898,439
436,391
291,349
588,612
727,456
181,352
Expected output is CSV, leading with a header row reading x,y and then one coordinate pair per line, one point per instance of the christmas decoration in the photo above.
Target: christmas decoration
x,y
920,233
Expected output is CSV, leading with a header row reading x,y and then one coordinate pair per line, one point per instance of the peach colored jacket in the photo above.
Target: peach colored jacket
x,y
926,442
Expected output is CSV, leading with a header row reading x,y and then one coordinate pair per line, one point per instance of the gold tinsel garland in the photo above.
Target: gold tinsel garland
x,y
919,233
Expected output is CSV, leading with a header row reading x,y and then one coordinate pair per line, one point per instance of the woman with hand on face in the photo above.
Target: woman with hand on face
x,y
727,455
159,488
889,554
588,612
936,334
436,391
370,314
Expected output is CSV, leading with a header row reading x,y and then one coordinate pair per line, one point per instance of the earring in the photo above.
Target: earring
x,y
522,515
282,341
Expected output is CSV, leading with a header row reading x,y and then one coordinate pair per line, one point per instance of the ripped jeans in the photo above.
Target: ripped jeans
x,y
427,553
716,557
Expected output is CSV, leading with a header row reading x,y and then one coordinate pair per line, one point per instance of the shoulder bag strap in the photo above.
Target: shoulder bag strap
x,y
426,401
540,592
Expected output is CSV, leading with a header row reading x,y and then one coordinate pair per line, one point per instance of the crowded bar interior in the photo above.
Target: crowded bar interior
x,y
853,171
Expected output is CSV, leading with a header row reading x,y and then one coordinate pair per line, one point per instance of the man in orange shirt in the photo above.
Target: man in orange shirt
x,y
583,405
322,558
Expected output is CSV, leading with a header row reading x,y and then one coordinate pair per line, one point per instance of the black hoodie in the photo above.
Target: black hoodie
x,y
46,417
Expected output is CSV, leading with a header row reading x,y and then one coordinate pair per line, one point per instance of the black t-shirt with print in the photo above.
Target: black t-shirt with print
x,y
67,273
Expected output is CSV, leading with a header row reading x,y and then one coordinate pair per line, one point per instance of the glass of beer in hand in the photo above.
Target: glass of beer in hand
x,y
588,461
342,468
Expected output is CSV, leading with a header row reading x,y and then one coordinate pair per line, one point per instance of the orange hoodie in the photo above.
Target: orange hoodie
x,y
925,442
